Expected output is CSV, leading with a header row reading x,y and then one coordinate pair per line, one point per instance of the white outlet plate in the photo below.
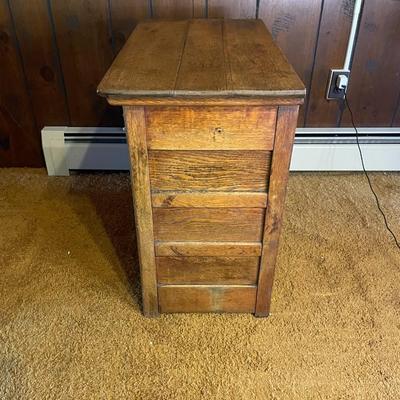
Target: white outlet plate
x,y
332,93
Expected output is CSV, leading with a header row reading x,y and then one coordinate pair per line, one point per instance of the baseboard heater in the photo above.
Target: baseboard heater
x,y
316,149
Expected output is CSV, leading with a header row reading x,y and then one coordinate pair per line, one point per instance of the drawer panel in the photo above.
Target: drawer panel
x,y
239,171
207,270
204,298
208,224
216,199
211,128
189,249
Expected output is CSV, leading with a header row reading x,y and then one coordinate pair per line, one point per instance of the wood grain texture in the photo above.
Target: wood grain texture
x,y
199,8
207,270
84,43
332,43
204,199
202,66
203,101
41,63
136,137
187,299
124,17
178,9
256,65
396,118
19,136
285,131
208,224
232,8
208,249
210,128
149,62
294,26
238,171
253,65
374,85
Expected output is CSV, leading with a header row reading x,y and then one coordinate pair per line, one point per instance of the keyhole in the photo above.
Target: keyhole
x,y
218,130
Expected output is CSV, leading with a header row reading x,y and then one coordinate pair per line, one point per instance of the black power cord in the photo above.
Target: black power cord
x,y
367,176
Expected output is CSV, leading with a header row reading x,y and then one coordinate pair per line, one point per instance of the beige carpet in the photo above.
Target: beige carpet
x,y
71,326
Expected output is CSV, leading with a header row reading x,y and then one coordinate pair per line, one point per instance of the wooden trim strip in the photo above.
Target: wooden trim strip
x,y
284,137
193,249
136,137
218,199
203,101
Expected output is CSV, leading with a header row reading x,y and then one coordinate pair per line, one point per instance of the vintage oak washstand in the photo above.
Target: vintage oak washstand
x,y
210,111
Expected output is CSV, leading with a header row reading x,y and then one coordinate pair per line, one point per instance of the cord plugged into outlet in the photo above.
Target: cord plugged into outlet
x,y
337,84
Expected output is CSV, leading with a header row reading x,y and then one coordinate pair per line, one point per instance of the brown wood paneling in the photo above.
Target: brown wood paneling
x,y
294,26
178,9
239,171
124,17
232,8
208,128
202,298
207,270
190,249
40,57
208,224
210,199
396,117
375,79
84,42
332,44
199,8
82,33
19,137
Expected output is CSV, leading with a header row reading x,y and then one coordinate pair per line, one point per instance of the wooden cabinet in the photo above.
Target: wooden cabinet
x,y
210,111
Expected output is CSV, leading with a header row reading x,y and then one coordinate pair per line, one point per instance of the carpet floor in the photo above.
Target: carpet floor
x,y
70,320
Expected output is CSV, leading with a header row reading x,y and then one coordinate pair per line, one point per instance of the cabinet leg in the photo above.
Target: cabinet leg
x,y
284,137
136,136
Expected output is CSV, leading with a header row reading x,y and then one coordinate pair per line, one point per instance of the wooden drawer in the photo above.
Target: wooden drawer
x,y
207,270
238,171
208,224
211,128
205,298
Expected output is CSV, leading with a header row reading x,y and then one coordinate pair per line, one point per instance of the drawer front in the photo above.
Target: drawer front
x,y
204,298
211,128
238,171
207,270
208,224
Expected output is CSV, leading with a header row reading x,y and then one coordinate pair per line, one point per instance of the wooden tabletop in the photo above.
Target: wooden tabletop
x,y
201,58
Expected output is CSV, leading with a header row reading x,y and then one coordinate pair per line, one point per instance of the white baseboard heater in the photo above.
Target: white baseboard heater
x,y
316,149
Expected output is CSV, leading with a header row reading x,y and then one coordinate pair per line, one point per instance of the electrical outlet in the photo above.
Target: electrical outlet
x,y
334,92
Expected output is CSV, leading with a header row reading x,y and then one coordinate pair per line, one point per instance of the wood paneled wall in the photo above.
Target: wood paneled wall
x,y
53,54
